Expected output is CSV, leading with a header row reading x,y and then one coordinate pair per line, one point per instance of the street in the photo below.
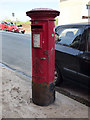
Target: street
x,y
16,51
17,93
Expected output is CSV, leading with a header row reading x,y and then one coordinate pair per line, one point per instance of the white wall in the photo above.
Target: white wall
x,y
71,11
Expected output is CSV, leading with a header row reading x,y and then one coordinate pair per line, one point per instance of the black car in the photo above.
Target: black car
x,y
72,53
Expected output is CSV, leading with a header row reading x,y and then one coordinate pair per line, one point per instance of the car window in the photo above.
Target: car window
x,y
70,37
85,42
2,23
8,23
12,24
5,22
88,37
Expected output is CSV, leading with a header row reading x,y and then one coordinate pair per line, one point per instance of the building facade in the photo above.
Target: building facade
x,y
74,11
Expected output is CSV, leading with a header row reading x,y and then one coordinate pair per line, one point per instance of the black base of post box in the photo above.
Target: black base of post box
x,y
43,94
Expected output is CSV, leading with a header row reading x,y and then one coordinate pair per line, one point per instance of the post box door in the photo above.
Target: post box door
x,y
42,55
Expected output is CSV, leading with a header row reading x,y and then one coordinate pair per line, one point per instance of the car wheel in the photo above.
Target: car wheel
x,y
58,77
13,30
5,28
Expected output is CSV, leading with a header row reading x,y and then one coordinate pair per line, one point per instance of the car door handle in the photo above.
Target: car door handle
x,y
83,57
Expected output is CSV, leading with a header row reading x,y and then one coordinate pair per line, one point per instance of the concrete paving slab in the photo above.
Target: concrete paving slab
x,y
17,100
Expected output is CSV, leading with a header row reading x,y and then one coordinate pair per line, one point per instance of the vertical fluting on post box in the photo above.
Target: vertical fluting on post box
x,y
43,55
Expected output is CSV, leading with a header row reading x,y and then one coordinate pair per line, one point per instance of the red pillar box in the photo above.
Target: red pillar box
x,y
43,55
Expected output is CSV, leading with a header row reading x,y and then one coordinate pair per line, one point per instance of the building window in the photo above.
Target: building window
x,y
88,6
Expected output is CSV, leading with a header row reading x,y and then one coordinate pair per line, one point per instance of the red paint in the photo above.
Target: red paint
x,y
43,57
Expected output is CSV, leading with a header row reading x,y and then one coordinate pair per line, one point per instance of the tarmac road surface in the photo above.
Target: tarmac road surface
x,y
16,51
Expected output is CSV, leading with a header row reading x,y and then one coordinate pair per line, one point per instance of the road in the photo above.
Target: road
x,y
16,51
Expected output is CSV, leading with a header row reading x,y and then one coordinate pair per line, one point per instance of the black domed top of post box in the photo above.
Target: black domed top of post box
x,y
42,13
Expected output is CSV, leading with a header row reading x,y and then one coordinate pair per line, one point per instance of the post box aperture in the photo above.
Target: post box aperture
x,y
34,27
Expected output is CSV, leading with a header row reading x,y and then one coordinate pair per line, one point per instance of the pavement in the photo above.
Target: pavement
x,y
16,102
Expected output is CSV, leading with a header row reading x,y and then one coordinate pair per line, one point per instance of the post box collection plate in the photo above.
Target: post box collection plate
x,y
36,40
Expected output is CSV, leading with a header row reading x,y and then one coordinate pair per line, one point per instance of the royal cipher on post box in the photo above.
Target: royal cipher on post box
x,y
43,55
